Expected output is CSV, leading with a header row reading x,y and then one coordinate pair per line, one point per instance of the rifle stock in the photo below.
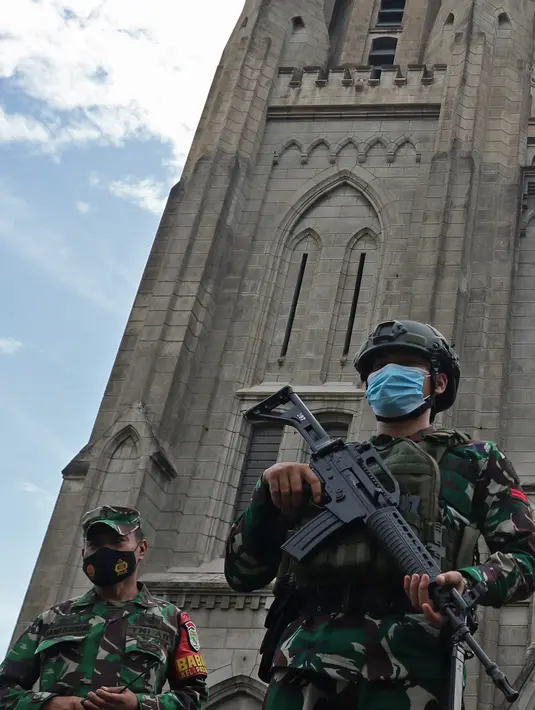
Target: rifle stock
x,y
355,495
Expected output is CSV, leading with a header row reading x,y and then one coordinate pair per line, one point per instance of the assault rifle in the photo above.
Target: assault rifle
x,y
354,495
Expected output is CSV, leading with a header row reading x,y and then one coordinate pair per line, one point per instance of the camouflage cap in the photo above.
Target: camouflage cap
x,y
121,519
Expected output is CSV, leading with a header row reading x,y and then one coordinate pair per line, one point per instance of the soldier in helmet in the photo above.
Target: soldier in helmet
x,y
346,630
115,647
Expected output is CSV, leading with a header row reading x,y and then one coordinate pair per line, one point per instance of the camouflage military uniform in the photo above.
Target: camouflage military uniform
x,y
83,644
392,660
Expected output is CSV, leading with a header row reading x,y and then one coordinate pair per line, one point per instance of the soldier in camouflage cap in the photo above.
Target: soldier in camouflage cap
x,y
115,647
347,631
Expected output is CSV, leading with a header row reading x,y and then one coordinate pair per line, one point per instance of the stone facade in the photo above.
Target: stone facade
x,y
320,195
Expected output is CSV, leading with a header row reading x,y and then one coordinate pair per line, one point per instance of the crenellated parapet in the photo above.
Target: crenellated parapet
x,y
416,83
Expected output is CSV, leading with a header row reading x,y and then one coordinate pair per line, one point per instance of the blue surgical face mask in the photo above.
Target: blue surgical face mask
x,y
396,390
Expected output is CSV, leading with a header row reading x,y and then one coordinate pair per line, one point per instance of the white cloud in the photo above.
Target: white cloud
x,y
16,127
9,346
89,272
83,207
147,193
104,71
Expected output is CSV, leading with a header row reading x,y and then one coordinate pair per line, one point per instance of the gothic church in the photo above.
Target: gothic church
x,y
356,160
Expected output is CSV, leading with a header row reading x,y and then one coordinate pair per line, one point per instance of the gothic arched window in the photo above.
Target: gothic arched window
x,y
299,263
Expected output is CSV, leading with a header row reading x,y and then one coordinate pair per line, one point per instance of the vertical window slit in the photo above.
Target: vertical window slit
x,y
293,308
354,304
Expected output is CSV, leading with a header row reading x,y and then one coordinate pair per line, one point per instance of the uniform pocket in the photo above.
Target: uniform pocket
x,y
147,659
60,660
144,648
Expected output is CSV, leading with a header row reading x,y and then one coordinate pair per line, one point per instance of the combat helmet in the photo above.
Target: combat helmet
x,y
418,338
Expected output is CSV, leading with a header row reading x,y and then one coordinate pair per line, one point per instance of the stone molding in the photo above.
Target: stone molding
x,y
204,590
311,392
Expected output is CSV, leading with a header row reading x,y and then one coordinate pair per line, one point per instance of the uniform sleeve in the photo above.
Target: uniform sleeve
x,y
20,670
186,674
253,553
505,517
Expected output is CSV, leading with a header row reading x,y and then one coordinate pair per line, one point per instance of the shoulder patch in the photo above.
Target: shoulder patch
x,y
519,494
188,662
193,638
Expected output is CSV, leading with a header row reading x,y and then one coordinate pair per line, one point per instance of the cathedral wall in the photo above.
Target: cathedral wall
x,y
306,188
519,431
332,190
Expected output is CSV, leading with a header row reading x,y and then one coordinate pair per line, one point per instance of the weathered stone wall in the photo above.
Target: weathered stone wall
x,y
294,169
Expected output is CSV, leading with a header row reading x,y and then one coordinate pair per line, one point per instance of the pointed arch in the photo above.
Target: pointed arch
x,y
291,143
308,232
356,293
294,280
504,21
362,234
400,142
118,468
316,143
359,178
371,143
126,433
375,208
450,19
349,140
225,691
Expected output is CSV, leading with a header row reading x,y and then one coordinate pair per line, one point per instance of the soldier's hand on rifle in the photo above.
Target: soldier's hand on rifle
x,y
418,592
285,482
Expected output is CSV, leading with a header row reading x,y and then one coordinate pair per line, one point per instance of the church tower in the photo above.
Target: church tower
x,y
356,160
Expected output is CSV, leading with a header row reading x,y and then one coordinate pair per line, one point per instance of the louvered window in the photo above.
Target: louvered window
x,y
262,453
390,13
336,429
383,51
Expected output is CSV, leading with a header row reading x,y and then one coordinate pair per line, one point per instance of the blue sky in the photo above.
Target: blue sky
x,y
98,104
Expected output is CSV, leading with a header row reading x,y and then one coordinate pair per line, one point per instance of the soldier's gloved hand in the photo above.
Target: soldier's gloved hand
x,y
418,592
111,699
68,702
285,482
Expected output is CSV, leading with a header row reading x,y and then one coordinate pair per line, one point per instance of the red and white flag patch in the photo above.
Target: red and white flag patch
x,y
519,494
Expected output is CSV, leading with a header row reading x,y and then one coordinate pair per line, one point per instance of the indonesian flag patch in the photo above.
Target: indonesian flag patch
x,y
188,662
519,494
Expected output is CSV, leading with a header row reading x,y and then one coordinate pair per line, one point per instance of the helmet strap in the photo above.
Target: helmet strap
x,y
433,371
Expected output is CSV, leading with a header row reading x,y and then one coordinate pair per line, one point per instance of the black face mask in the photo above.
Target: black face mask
x,y
107,567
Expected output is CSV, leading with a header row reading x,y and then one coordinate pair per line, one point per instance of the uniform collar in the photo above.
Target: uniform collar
x,y
143,598
416,437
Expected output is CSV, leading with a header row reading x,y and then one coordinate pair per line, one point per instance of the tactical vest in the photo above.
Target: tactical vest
x,y
416,467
